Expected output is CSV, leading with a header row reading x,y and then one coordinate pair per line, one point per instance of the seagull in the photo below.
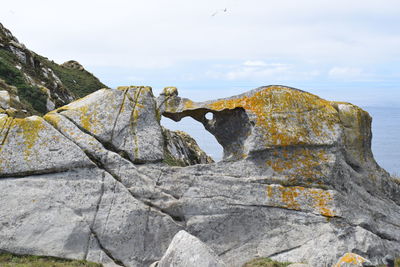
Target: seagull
x,y
216,12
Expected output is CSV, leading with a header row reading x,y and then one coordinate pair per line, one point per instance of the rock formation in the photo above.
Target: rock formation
x,y
186,250
298,181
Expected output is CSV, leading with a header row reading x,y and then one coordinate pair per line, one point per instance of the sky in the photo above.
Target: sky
x,y
340,50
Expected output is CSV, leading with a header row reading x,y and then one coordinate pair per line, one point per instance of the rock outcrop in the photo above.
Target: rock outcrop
x,y
298,182
40,84
182,150
186,250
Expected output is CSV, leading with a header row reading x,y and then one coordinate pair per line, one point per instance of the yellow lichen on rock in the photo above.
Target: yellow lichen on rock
x,y
29,129
52,118
301,198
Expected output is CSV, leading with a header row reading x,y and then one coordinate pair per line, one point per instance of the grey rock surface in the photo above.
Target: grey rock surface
x,y
298,182
182,150
186,250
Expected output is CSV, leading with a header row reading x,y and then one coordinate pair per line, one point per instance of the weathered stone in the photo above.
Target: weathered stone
x,y
31,145
186,250
182,150
298,265
124,119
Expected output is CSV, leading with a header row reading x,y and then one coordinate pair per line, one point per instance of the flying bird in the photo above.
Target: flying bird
x,y
216,12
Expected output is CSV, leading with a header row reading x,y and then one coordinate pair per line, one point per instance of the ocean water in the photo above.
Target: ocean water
x,y
385,139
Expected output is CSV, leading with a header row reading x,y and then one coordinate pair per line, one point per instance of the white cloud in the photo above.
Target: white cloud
x,y
267,71
254,63
160,34
345,72
259,70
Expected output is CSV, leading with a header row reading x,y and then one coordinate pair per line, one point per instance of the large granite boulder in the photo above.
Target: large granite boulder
x,y
298,182
186,250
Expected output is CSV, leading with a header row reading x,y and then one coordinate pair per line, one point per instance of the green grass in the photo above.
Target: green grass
x,y
265,262
79,82
171,161
11,260
33,98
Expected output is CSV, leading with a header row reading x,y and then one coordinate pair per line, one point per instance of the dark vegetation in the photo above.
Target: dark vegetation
x,y
11,260
75,82
32,97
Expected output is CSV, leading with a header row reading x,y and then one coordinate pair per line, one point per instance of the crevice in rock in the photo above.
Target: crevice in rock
x,y
354,167
146,229
179,219
106,251
375,232
367,228
133,119
102,190
284,208
7,131
285,251
236,246
107,145
119,113
31,174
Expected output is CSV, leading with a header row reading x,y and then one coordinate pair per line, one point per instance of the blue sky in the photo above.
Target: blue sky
x,y
339,50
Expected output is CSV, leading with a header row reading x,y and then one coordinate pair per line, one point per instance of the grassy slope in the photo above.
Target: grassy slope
x,y
10,260
79,82
32,97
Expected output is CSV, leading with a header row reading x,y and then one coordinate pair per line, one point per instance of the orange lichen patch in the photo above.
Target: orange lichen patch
x,y
300,163
321,199
286,116
350,258
301,198
29,128
289,196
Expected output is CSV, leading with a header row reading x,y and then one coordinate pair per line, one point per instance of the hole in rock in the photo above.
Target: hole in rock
x,y
209,116
204,139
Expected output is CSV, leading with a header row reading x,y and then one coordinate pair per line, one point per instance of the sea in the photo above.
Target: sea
x,y
385,136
